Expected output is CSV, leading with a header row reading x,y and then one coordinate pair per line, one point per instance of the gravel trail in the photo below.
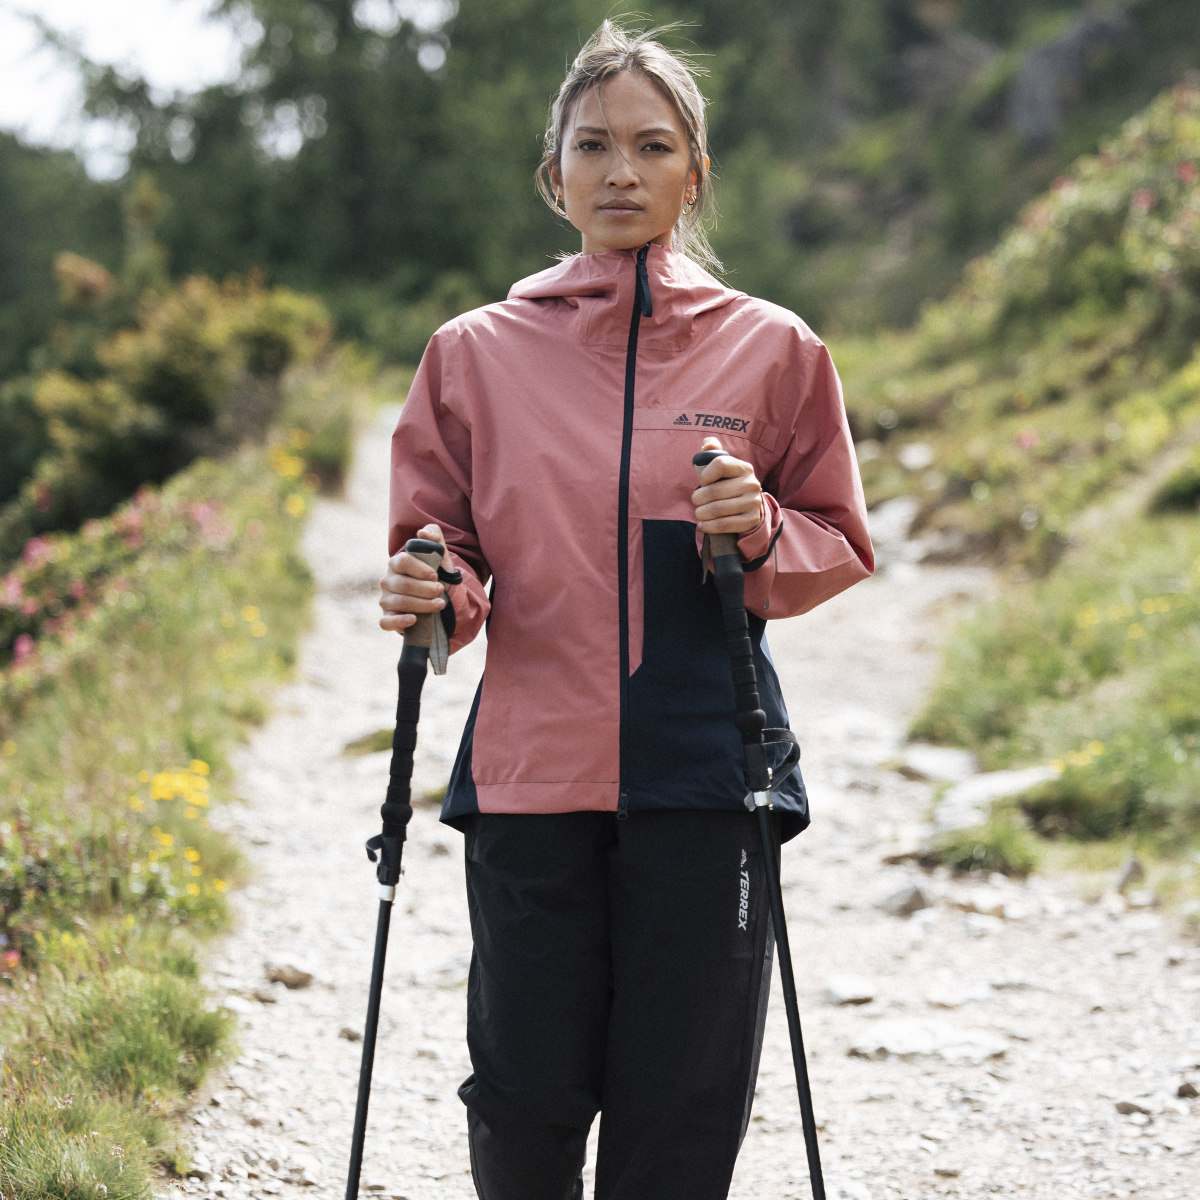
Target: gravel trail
x,y
1000,1039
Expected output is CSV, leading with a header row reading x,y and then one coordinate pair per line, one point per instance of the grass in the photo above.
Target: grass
x,y
133,656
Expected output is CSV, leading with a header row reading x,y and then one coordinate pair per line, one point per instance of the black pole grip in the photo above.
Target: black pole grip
x,y
396,811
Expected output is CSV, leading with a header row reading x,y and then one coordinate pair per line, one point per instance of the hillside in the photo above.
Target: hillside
x,y
1046,418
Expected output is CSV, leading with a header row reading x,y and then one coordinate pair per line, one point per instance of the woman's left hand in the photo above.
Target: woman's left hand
x,y
729,498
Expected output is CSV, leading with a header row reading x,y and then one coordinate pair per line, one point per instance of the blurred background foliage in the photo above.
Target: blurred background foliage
x,y
380,153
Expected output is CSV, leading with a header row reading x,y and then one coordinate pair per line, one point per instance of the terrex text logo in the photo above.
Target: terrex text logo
x,y
744,902
714,421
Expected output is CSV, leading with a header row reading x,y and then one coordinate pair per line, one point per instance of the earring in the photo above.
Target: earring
x,y
558,204
689,205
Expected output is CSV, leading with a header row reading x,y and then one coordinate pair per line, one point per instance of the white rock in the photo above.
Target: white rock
x,y
201,1168
956,993
904,901
989,902
848,990
942,764
907,1039
969,803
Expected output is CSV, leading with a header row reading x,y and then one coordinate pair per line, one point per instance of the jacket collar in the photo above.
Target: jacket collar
x,y
600,288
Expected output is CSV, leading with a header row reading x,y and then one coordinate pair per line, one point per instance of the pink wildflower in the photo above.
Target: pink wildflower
x,y
37,551
1027,439
1187,172
1144,199
22,649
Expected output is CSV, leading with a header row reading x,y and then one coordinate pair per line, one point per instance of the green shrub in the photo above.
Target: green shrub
x,y
1003,845
199,374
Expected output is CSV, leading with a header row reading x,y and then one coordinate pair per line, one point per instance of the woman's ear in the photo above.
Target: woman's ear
x,y
554,174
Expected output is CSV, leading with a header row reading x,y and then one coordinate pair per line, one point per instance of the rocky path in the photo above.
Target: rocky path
x,y
965,1039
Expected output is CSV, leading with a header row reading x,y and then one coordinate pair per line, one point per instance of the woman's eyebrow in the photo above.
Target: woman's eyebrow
x,y
653,131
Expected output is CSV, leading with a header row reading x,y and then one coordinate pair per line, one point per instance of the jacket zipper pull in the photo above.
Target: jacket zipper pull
x,y
644,299
623,806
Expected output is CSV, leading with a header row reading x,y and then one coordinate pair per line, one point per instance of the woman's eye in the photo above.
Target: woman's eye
x,y
590,145
657,147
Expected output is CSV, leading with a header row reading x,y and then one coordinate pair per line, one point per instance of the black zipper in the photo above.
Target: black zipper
x,y
643,306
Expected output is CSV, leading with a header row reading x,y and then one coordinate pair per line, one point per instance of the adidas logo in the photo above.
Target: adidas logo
x,y
682,419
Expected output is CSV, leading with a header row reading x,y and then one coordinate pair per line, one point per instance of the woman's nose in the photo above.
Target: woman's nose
x,y
621,172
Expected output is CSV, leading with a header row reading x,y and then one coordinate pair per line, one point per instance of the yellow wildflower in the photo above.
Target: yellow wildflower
x,y
192,854
295,505
250,613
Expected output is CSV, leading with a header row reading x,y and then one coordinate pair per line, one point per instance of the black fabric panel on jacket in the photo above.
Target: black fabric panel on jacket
x,y
683,749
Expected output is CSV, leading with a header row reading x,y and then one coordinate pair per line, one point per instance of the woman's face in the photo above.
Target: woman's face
x,y
625,171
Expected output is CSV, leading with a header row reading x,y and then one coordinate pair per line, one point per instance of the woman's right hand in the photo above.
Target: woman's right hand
x,y
410,587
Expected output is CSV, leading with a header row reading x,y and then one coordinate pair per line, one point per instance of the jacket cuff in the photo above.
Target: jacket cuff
x,y
756,544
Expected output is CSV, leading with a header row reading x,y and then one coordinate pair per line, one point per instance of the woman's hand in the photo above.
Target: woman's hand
x,y
729,498
410,587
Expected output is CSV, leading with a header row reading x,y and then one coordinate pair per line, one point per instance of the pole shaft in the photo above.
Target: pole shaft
x,y
368,1053
788,980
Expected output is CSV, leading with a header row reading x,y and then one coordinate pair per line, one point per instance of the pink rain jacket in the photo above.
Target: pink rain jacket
x,y
551,437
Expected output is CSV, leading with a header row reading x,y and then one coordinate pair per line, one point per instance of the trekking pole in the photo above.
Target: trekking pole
x,y
424,642
720,550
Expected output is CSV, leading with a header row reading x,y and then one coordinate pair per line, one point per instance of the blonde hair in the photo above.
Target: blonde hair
x,y
609,51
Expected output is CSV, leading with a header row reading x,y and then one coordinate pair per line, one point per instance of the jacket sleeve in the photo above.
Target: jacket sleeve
x,y
813,541
431,483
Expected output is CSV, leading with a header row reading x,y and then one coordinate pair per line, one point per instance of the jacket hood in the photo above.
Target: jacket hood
x,y
603,286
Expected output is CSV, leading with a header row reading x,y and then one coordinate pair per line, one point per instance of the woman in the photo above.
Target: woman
x,y
621,941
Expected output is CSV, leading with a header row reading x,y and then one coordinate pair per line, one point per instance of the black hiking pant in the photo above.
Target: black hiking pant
x,y
620,967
